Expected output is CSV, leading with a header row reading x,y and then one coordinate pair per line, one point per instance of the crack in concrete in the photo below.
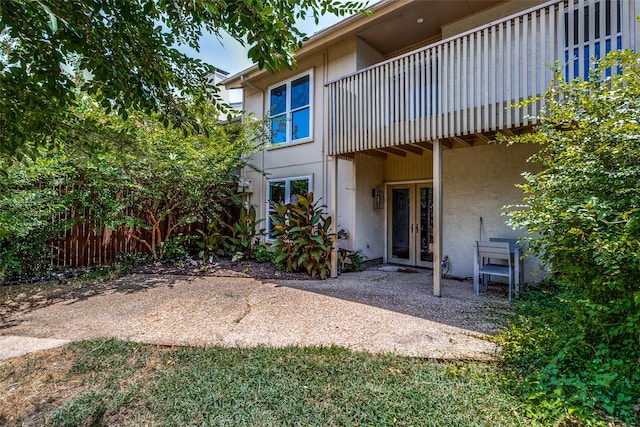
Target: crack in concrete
x,y
248,307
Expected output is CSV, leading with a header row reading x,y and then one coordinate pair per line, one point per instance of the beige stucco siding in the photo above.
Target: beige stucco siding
x,y
369,231
308,158
478,182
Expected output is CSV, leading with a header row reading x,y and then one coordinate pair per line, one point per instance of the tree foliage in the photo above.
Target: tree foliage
x,y
582,211
583,208
127,51
160,182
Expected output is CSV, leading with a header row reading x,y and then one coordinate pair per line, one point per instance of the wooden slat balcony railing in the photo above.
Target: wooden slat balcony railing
x,y
469,84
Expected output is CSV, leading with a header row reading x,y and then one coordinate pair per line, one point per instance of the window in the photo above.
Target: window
x,y
290,110
282,191
605,39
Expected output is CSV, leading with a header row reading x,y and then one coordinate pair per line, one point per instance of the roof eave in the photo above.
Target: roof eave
x,y
313,43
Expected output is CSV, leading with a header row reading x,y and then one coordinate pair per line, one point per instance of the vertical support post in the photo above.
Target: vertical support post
x,y
334,217
333,149
437,217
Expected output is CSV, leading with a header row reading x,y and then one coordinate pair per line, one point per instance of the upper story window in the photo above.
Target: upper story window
x,y
606,38
290,110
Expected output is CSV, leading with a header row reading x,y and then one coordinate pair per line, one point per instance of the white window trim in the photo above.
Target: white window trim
x,y
287,191
288,112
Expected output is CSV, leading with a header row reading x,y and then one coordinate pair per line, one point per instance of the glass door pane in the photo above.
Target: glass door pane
x,y
426,224
400,223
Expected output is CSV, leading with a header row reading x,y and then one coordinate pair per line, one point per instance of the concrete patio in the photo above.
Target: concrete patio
x,y
373,310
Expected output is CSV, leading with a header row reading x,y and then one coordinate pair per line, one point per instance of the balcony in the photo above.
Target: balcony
x,y
466,87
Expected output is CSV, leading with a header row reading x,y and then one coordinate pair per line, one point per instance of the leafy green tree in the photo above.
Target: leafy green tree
x,y
164,180
126,50
161,181
582,210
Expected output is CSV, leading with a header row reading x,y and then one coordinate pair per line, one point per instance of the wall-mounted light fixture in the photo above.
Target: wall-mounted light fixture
x,y
378,198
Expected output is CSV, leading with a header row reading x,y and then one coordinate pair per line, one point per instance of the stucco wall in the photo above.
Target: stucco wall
x,y
369,229
307,158
478,182
346,200
366,55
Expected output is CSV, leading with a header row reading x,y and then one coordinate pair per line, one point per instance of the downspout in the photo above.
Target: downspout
x,y
325,129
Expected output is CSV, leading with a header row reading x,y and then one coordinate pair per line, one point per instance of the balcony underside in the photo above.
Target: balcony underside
x,y
420,147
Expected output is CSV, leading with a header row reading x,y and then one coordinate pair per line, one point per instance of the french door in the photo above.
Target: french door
x,y
410,224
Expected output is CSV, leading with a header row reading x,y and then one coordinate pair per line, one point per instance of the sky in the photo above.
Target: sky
x,y
229,55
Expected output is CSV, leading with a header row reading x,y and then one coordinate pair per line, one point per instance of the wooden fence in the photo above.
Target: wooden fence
x,y
84,246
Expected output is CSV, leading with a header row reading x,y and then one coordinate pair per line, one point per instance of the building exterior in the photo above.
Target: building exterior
x,y
390,117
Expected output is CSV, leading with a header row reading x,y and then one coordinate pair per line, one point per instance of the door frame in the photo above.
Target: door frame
x,y
414,186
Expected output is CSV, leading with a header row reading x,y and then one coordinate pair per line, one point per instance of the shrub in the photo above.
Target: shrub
x,y
264,255
557,369
352,260
244,234
303,241
176,247
581,210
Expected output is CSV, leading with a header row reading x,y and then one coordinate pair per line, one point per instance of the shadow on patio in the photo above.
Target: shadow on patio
x,y
410,292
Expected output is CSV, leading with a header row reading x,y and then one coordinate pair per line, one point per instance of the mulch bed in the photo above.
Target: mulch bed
x,y
222,267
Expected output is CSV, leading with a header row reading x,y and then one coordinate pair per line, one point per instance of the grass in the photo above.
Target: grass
x,y
122,383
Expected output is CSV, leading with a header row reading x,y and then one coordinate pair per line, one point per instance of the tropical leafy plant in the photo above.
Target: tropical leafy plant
x,y
244,234
303,240
211,241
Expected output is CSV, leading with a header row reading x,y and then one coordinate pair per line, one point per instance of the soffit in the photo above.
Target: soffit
x,y
401,28
392,28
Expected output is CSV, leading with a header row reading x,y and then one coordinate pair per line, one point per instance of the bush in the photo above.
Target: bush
x,y
176,247
556,368
244,234
351,261
303,241
264,255
581,211
24,258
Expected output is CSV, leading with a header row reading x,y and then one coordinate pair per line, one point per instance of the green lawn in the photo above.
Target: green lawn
x,y
121,383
